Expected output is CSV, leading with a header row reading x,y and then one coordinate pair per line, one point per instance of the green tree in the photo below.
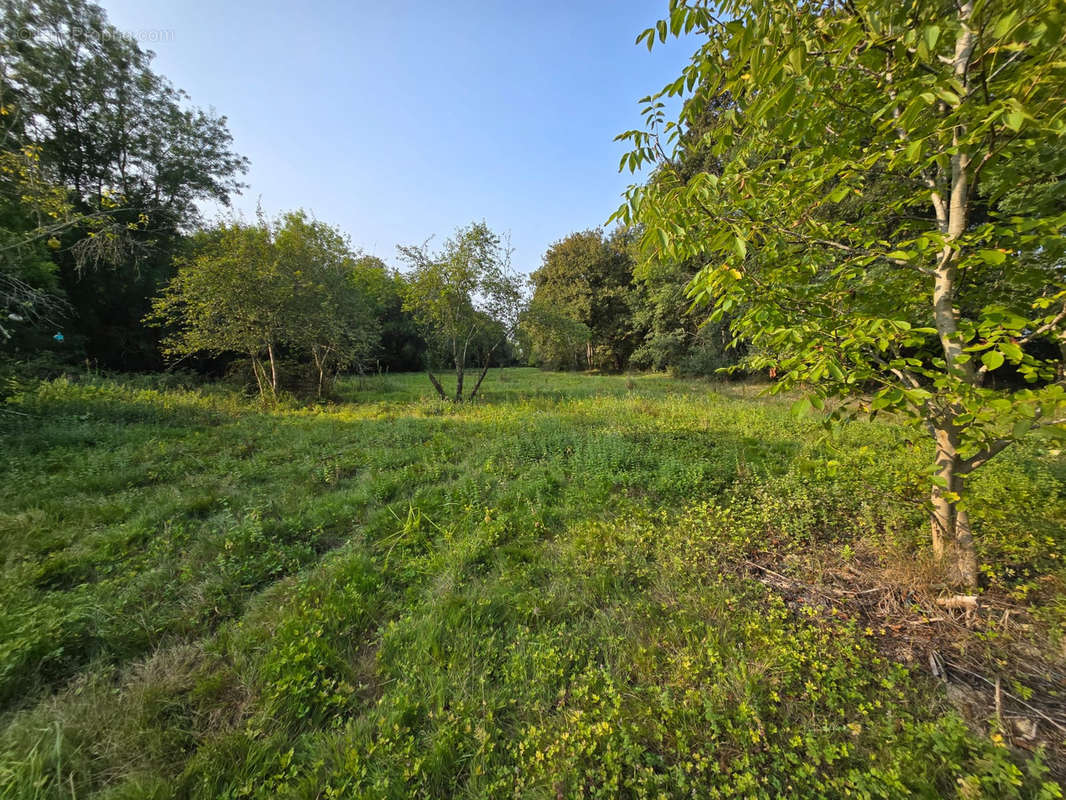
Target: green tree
x,y
227,299
131,159
462,296
29,206
586,278
944,300
259,289
555,340
670,334
328,314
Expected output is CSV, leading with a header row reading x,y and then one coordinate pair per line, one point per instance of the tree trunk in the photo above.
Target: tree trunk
x,y
256,367
480,378
273,370
484,370
320,365
965,552
952,535
458,382
953,542
436,385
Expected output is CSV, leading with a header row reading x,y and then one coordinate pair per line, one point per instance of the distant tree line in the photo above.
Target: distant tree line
x,y
104,256
106,260
597,304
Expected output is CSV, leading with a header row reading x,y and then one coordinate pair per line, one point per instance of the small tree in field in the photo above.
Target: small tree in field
x,y
464,293
227,298
257,289
882,212
330,316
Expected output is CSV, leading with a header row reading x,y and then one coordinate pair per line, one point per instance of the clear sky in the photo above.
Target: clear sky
x,y
404,119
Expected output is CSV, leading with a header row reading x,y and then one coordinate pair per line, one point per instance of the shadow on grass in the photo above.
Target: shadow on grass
x,y
241,500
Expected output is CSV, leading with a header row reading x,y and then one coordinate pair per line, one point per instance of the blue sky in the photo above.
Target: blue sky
x,y
400,120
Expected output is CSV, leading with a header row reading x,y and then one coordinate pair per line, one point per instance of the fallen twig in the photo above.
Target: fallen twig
x,y
1016,699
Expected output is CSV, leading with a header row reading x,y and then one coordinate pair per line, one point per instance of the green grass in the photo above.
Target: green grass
x,y
535,595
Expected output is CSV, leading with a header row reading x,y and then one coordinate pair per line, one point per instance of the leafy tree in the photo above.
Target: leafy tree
x,y
257,289
29,290
944,299
673,334
131,159
225,299
461,296
106,124
327,315
586,278
555,339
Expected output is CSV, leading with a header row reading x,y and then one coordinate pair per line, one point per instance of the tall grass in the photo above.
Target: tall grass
x,y
531,595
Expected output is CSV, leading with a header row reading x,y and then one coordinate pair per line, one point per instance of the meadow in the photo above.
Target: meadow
x,y
577,586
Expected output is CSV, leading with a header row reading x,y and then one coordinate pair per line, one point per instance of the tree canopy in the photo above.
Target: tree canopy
x,y
465,297
259,289
585,278
118,161
884,218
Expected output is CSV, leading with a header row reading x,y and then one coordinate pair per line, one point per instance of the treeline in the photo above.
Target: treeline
x,y
106,261
104,256
289,299
103,164
615,302
597,304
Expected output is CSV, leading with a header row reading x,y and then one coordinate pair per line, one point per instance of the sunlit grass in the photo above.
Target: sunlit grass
x,y
533,594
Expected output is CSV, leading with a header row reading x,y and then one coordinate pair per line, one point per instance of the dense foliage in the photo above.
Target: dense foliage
x,y
883,211
103,166
289,287
585,278
597,304
128,157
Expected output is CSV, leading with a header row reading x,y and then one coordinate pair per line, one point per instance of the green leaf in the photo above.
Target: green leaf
x,y
879,402
948,96
801,407
931,34
993,257
993,359
839,193
740,246
1011,351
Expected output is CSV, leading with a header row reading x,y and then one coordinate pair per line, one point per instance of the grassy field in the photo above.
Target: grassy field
x,y
579,586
